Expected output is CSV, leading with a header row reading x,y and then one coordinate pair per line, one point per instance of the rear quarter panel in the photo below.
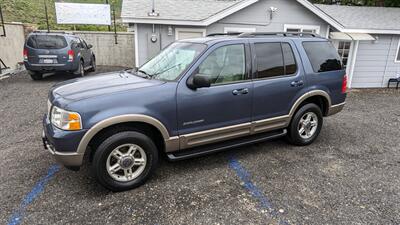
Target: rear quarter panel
x,y
330,82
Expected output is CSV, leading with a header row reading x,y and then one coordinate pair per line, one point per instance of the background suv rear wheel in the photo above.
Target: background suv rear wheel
x,y
36,75
81,70
125,160
306,125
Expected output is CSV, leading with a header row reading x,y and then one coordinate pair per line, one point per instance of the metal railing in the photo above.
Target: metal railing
x,y
262,34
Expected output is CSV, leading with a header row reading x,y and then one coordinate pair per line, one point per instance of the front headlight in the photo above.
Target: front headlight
x,y
65,120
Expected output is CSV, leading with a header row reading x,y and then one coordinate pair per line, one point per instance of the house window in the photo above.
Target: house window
x,y
398,54
239,29
302,28
186,33
344,51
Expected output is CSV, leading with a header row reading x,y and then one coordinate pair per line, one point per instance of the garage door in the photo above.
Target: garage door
x,y
189,33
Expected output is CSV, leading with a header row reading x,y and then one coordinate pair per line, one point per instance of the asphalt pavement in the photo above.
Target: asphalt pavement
x,y
350,175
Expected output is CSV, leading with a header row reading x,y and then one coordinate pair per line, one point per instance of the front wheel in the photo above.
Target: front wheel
x,y
125,160
93,65
305,125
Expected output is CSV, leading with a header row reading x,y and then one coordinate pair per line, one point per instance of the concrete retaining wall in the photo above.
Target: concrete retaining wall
x,y
107,52
11,46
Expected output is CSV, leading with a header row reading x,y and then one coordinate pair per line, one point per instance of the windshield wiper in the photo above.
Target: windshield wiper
x,y
145,73
168,69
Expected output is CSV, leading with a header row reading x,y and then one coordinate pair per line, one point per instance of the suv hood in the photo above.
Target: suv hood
x,y
82,88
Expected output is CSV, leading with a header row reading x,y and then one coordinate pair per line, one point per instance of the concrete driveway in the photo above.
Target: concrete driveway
x,y
350,175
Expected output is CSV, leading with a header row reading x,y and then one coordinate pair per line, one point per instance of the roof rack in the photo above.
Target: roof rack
x,y
51,32
225,34
260,34
285,34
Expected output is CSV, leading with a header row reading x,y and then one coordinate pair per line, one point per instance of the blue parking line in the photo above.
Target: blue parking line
x,y
18,214
245,177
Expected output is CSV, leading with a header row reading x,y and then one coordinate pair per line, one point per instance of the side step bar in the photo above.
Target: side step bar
x,y
221,146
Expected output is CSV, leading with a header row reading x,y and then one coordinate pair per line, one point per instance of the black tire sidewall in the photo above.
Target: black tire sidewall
x,y
294,136
103,151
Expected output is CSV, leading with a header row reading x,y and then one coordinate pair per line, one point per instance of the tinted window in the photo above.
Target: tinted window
x,y
269,60
47,42
290,62
225,65
323,56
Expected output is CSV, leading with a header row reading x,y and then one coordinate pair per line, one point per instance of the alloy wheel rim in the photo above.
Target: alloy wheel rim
x,y
126,162
308,125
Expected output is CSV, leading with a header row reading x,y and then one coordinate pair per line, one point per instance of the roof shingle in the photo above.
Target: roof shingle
x,y
356,17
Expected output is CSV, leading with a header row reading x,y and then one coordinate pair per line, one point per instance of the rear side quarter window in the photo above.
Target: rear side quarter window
x,y
323,56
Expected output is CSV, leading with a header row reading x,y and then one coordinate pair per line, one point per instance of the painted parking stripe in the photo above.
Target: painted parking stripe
x,y
245,177
18,214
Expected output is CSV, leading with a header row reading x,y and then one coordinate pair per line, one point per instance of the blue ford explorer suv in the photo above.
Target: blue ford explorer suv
x,y
198,96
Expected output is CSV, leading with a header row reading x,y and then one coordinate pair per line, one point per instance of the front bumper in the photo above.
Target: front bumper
x,y
62,145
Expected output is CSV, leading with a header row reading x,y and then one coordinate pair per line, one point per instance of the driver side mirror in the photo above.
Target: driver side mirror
x,y
89,46
199,81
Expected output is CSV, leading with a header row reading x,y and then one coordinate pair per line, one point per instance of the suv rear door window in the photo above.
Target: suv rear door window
x,y
274,59
47,42
323,56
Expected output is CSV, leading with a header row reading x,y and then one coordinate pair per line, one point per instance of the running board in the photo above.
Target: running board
x,y
222,146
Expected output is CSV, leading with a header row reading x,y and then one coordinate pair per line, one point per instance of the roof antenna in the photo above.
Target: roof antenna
x,y
153,11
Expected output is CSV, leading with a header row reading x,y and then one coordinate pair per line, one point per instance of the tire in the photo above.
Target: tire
x,y
304,118
36,75
93,65
104,160
81,70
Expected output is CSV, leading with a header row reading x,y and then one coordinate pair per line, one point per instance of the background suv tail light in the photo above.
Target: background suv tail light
x,y
25,54
70,55
344,84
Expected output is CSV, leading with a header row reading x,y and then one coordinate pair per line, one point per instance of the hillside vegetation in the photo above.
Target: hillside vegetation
x,y
32,12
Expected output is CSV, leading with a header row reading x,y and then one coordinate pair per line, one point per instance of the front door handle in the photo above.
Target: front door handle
x,y
297,83
243,91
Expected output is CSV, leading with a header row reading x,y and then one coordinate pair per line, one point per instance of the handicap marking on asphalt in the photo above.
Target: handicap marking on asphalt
x,y
245,177
19,213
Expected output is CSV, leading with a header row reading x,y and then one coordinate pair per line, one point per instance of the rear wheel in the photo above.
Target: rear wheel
x,y
36,75
81,70
125,160
93,65
305,125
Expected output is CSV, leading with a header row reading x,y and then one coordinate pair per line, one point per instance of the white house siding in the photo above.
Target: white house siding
x,y
375,62
258,16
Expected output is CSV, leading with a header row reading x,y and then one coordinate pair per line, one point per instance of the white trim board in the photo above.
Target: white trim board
x,y
192,30
397,53
135,28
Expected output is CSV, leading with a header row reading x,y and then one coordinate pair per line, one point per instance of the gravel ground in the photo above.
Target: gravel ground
x,y
350,175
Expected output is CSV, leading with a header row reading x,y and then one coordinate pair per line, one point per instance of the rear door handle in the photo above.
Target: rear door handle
x,y
240,91
297,83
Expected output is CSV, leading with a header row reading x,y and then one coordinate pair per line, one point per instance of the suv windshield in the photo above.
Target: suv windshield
x,y
172,61
47,42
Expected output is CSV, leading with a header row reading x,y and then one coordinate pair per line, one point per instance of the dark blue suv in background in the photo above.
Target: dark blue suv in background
x,y
198,96
57,52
